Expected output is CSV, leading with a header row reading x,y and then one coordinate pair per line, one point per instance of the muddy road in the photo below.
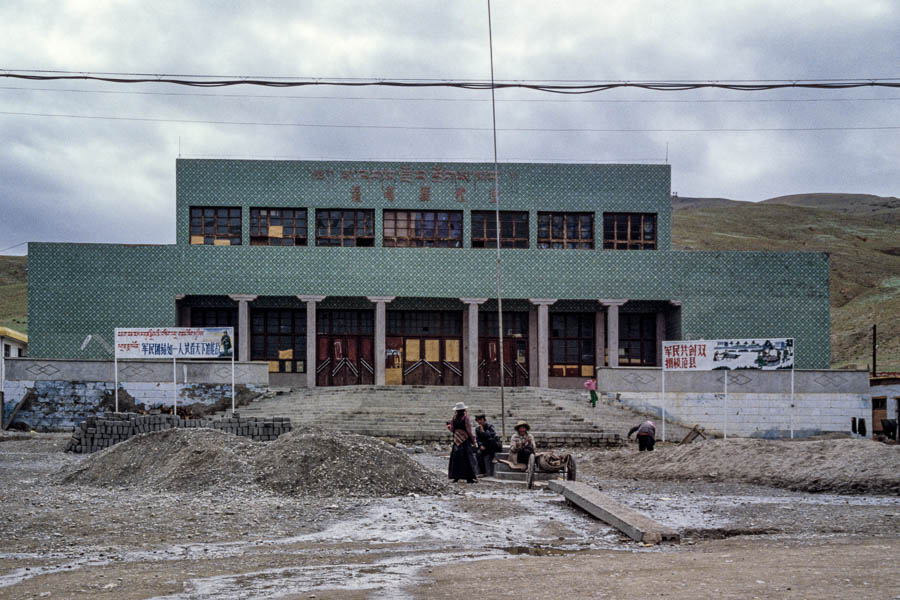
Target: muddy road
x,y
70,541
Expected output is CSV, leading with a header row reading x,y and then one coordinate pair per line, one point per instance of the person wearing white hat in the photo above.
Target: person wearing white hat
x,y
462,455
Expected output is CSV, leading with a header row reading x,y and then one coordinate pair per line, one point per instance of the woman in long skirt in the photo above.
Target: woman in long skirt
x,y
462,455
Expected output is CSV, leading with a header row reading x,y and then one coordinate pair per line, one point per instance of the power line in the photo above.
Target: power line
x,y
14,246
441,128
439,99
550,86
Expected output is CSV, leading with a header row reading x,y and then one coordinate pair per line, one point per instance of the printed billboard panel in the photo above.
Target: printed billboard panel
x,y
712,355
174,342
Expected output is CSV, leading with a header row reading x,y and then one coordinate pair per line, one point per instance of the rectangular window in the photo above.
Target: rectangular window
x,y
513,229
637,339
629,231
215,226
340,227
515,324
345,322
277,226
279,337
424,323
566,230
422,229
6,350
572,344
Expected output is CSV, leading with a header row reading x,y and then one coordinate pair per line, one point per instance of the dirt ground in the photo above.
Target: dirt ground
x,y
738,540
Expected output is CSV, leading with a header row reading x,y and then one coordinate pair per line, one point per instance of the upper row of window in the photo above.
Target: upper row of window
x,y
421,228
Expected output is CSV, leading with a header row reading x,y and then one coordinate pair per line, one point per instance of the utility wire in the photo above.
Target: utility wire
x,y
439,99
448,128
14,246
550,86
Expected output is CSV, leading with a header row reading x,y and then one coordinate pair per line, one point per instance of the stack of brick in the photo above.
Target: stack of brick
x,y
97,433
259,430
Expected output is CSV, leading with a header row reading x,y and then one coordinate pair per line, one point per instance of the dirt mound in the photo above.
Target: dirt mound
x,y
329,464
848,466
172,459
302,463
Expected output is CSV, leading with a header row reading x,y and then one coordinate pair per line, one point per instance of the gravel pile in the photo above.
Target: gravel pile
x,y
341,464
171,459
846,466
301,463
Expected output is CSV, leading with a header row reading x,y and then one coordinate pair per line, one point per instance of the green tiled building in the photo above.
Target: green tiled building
x,y
338,273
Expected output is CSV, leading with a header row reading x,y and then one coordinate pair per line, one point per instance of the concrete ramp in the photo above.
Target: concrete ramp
x,y
638,527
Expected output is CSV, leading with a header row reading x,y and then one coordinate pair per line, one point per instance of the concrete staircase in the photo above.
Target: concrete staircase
x,y
418,414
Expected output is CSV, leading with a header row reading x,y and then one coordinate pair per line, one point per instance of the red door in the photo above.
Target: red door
x,y
515,359
344,360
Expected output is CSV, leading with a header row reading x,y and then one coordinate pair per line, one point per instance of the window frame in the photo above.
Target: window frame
x,y
615,223
416,228
362,217
584,345
273,339
402,323
230,231
300,233
521,232
646,342
551,241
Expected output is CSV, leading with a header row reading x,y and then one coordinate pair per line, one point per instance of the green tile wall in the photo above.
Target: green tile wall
x,y
77,289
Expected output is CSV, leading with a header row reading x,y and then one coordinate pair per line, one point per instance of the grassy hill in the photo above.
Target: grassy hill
x,y
861,238
14,292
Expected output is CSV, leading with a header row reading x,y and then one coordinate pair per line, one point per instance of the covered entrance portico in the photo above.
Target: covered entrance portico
x,y
384,340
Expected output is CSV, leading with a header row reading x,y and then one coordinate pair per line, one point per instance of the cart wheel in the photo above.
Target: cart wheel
x,y
570,469
529,473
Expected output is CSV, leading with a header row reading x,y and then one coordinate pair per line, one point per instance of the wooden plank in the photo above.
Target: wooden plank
x,y
635,525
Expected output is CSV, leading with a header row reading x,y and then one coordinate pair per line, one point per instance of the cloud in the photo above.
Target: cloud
x,y
107,180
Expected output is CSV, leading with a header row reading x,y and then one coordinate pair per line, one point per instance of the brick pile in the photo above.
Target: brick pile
x,y
97,433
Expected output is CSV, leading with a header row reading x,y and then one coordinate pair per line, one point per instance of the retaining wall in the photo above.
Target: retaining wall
x,y
58,394
758,402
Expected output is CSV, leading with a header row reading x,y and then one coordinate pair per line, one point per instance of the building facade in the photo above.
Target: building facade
x,y
343,273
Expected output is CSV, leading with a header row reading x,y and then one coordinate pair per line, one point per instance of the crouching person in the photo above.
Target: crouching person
x,y
522,444
646,435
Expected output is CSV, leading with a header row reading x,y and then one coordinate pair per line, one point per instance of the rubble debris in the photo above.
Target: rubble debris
x,y
836,466
97,433
299,463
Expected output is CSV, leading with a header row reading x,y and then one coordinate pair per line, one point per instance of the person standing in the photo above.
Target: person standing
x,y
462,454
646,435
591,386
488,445
522,444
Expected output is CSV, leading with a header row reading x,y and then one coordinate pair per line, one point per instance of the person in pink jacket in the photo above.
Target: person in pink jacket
x,y
591,386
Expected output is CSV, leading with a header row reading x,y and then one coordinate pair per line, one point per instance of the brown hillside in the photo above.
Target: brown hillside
x,y
865,264
14,292
881,208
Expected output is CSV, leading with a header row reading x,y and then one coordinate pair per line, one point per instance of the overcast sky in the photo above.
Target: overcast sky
x,y
68,179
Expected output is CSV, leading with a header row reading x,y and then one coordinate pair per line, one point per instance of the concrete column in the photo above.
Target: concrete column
x,y
311,338
380,346
600,338
470,364
612,329
243,301
532,349
543,341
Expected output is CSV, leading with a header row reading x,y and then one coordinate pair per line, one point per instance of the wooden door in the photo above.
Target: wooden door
x,y
393,361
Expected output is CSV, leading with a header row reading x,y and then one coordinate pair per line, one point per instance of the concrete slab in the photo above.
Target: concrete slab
x,y
630,522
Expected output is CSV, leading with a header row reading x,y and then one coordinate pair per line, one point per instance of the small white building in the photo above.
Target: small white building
x,y
14,344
